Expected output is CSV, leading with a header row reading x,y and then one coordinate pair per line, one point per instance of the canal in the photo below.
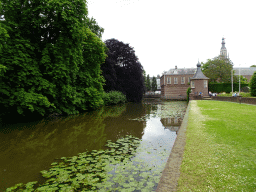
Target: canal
x,y
26,149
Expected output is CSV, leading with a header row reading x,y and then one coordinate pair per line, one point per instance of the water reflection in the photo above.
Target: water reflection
x,y
28,148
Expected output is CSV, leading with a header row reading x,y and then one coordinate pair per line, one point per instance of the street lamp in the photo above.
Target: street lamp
x,y
239,79
232,79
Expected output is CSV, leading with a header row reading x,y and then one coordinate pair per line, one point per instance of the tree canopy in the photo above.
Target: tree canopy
x,y
218,69
52,57
154,84
253,66
123,71
252,84
148,84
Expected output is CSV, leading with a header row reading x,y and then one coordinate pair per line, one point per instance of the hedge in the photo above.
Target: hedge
x,y
225,87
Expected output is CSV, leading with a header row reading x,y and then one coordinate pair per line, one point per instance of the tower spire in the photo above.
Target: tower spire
x,y
223,50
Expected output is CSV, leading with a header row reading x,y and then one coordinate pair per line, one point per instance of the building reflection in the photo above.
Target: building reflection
x,y
172,123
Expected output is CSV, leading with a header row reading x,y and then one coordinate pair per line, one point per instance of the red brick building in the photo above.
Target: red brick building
x,y
199,83
175,82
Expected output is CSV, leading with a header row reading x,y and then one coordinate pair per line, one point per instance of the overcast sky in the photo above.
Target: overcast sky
x,y
166,33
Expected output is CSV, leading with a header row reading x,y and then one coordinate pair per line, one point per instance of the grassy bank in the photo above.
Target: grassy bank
x,y
220,151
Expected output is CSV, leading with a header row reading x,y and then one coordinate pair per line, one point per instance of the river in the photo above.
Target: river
x,y
28,148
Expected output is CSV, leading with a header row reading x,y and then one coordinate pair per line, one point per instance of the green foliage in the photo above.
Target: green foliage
x,y
242,94
218,70
188,92
252,84
53,59
253,66
154,84
113,98
243,80
148,84
123,71
94,27
225,87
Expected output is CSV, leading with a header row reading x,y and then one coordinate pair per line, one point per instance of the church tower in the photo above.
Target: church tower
x,y
223,50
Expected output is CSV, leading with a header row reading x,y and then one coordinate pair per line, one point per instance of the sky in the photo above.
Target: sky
x,y
166,33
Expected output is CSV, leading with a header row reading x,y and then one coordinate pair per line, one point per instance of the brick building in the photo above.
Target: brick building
x,y
199,82
175,82
245,72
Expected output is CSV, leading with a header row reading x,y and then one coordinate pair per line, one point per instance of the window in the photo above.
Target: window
x,y
175,80
182,80
192,84
189,79
168,80
205,83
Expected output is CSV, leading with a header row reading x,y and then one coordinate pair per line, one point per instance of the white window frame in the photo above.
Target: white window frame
x,y
205,83
192,84
169,80
175,80
182,80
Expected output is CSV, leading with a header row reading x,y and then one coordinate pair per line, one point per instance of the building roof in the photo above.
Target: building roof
x,y
244,71
181,71
199,74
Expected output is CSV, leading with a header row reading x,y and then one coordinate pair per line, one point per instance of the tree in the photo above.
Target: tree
x,y
53,59
252,84
218,69
253,66
94,27
126,71
148,84
154,84
242,79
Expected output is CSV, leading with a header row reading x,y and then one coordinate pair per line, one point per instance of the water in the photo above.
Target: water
x,y
28,148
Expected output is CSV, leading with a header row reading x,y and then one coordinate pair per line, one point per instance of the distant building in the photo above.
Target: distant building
x,y
199,82
245,72
175,82
223,50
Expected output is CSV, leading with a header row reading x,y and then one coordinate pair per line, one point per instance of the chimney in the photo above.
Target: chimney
x,y
175,66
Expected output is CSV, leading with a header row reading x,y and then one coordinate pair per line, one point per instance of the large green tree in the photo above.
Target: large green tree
x,y
253,66
218,69
52,58
154,84
123,71
148,83
252,84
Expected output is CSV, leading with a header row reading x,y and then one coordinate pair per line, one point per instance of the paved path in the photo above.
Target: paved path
x,y
171,172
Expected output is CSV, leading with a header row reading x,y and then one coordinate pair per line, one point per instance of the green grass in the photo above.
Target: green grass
x,y
220,151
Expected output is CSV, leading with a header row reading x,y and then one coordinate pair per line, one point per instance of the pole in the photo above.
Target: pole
x,y
232,78
239,80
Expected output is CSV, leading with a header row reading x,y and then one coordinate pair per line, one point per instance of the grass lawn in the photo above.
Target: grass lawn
x,y
220,151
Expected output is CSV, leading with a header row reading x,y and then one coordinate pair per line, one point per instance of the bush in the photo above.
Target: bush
x,y
252,85
225,87
188,92
113,98
242,94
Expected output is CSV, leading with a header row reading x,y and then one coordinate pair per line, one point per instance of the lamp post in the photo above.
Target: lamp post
x,y
239,79
232,79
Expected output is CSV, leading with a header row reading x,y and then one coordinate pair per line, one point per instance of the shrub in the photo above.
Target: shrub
x,y
225,87
252,85
113,98
188,92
